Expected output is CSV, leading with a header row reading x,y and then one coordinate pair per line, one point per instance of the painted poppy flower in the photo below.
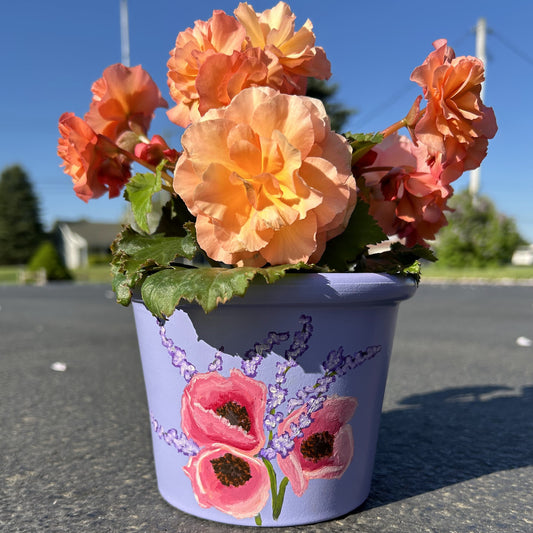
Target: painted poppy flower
x,y
325,449
216,409
229,480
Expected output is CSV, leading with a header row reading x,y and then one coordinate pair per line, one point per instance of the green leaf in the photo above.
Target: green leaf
x,y
139,191
207,286
135,256
399,260
174,216
345,249
362,143
157,248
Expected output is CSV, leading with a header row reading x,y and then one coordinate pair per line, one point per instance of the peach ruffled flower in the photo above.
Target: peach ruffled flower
x,y
410,199
90,159
229,480
267,179
325,449
217,40
215,60
273,31
124,99
455,123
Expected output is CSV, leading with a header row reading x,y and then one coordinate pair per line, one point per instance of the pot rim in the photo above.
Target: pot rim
x,y
318,288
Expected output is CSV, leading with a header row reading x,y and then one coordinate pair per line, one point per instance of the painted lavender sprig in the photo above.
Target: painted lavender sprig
x,y
174,438
177,355
312,396
277,393
339,364
253,357
300,340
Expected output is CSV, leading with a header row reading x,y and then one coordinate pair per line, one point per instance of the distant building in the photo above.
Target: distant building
x,y
76,241
523,256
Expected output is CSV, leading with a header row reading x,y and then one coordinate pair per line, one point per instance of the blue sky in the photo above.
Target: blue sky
x,y
51,52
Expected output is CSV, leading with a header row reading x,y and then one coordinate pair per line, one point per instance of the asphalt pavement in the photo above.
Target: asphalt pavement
x,y
455,451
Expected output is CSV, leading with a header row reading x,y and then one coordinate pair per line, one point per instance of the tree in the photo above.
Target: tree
x,y
20,228
338,114
477,234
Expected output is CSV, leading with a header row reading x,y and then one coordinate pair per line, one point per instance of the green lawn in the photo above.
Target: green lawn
x,y
8,274
101,273
490,273
92,274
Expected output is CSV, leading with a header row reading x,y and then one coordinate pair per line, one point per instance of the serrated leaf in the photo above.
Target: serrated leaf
x,y
399,260
362,143
157,248
135,256
164,290
345,249
139,192
121,287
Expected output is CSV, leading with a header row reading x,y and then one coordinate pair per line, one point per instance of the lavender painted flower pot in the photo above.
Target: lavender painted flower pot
x,y
266,411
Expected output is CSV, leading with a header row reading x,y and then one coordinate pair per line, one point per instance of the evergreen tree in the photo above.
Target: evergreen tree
x,y
338,114
20,228
477,235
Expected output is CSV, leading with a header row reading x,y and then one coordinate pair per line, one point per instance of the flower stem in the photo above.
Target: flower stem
x,y
394,127
276,510
167,178
375,169
277,496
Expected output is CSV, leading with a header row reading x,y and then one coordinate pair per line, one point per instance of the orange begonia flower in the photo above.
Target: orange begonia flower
x,y
215,60
124,99
455,123
409,200
220,36
267,179
90,159
273,31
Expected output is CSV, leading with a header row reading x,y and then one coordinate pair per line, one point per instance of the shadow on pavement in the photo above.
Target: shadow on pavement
x,y
449,436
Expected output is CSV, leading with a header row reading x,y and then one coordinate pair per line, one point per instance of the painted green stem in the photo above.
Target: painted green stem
x,y
277,496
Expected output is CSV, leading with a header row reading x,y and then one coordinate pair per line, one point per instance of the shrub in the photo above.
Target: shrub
x,y
48,258
477,234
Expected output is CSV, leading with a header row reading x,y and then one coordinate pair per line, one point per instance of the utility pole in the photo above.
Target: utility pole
x,y
481,40
124,33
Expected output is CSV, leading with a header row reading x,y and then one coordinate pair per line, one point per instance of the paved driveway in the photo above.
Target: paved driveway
x,y
455,450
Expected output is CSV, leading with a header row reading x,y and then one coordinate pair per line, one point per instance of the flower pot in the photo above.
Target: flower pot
x,y
266,411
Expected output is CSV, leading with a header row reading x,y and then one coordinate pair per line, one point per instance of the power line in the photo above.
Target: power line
x,y
528,59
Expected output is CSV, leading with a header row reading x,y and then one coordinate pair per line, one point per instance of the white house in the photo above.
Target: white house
x,y
77,240
523,256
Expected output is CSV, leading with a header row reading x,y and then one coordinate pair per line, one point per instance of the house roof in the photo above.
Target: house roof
x,y
97,234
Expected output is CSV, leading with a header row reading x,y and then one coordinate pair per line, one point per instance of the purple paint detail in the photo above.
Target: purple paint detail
x,y
174,438
177,355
